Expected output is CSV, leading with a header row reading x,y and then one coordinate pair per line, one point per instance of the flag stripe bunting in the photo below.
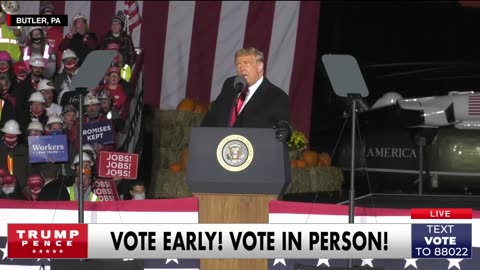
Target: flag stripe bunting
x,y
282,43
164,205
303,73
153,62
202,49
177,53
259,27
229,36
101,13
167,30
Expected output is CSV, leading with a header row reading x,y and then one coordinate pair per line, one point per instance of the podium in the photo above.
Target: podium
x,y
234,173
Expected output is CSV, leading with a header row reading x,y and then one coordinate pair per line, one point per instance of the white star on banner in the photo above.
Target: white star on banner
x,y
323,261
412,262
169,260
454,263
4,250
368,262
282,261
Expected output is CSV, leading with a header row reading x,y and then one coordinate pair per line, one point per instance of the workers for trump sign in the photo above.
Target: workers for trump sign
x,y
48,148
117,164
99,132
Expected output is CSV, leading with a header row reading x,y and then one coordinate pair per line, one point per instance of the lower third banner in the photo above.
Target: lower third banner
x,y
144,211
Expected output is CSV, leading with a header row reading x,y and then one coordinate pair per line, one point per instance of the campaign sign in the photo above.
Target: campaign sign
x,y
99,132
442,241
48,148
106,190
47,241
117,164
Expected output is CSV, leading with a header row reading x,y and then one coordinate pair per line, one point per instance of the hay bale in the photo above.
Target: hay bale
x,y
169,119
167,184
315,179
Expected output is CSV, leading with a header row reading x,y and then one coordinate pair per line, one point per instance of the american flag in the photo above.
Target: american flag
x,y
293,212
133,15
189,45
141,211
474,105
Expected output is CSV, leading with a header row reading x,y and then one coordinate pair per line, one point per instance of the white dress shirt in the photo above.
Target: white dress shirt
x,y
251,91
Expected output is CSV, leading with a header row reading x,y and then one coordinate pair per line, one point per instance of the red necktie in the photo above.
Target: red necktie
x,y
236,110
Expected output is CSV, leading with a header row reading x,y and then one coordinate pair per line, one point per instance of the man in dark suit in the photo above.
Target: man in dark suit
x,y
53,189
260,105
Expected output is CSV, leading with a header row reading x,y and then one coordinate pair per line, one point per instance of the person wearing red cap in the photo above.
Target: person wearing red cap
x,y
118,35
9,188
116,91
53,189
35,184
20,70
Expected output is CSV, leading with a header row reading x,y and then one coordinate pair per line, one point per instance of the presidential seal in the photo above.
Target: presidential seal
x,y
235,153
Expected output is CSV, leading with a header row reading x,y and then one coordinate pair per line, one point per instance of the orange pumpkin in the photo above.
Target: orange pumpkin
x,y
310,157
293,164
186,105
324,160
301,163
175,167
184,158
200,108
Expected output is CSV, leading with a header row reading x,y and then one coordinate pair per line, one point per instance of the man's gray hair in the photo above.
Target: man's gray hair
x,y
250,51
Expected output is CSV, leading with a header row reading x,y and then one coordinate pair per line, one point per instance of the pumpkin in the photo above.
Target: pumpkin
x,y
310,157
293,164
184,158
200,108
324,160
175,167
301,163
186,105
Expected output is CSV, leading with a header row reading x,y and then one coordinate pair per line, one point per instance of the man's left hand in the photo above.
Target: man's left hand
x,y
283,131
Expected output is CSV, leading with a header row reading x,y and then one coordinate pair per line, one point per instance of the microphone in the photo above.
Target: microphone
x,y
239,84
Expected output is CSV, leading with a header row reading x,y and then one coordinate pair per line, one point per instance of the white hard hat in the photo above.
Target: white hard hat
x,y
68,54
387,99
54,120
36,60
91,99
88,147
11,127
85,157
35,125
36,97
36,28
45,84
78,16
10,7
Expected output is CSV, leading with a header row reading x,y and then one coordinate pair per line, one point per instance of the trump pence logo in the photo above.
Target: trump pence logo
x,y
235,153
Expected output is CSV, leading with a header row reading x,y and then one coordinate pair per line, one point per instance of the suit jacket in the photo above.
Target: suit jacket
x,y
54,191
268,105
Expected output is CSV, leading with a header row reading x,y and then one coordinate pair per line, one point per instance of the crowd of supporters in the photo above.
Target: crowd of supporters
x,y
37,66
